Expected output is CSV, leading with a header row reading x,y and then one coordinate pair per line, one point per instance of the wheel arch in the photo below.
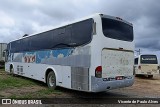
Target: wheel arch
x,y
11,66
48,70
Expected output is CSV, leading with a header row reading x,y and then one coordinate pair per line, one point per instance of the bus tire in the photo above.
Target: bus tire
x,y
150,76
136,75
11,70
51,80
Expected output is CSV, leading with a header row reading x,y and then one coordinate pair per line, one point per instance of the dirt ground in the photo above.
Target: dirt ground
x,y
142,88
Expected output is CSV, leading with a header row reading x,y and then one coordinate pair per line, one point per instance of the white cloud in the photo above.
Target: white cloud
x,y
37,28
6,20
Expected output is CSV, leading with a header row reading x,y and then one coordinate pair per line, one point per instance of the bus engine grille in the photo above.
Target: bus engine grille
x,y
80,78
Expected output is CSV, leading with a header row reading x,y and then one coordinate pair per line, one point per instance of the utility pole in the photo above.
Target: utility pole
x,y
138,51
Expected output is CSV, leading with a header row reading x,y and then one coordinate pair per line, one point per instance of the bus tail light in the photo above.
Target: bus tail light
x,y
98,72
139,67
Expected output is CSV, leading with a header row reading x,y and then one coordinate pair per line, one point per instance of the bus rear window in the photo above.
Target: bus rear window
x,y
117,30
149,59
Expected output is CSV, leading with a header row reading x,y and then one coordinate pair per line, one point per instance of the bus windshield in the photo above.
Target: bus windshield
x,y
117,30
149,59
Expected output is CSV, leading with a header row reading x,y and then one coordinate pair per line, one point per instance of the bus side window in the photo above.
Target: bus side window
x,y
136,61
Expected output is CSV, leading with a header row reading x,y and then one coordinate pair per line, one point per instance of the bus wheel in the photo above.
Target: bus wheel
x,y
150,76
12,70
136,75
51,80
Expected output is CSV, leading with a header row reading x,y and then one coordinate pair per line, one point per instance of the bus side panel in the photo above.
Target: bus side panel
x,y
38,71
65,76
71,66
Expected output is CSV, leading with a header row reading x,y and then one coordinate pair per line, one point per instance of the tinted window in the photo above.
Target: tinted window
x,y
81,32
16,45
69,36
61,37
41,41
117,30
136,61
25,44
149,59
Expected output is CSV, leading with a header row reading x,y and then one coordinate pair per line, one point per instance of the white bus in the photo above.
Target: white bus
x,y
93,55
146,64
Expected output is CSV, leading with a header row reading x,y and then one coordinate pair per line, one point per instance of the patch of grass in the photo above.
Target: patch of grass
x,y
13,96
49,91
44,93
2,69
10,81
1,96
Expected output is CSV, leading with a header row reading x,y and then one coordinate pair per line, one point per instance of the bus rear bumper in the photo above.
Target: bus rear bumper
x,y
100,84
148,73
